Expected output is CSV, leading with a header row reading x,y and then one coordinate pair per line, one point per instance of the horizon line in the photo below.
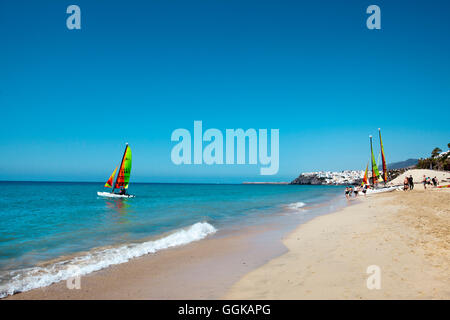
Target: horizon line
x,y
101,182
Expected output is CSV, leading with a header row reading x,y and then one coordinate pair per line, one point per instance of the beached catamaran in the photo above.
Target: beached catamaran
x,y
376,176
122,179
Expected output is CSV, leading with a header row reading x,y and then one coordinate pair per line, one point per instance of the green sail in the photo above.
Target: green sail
x,y
127,168
123,178
376,172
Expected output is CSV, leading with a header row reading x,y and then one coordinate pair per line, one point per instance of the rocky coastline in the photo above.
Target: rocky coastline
x,y
346,177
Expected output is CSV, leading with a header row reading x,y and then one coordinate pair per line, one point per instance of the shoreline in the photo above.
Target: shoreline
x,y
405,234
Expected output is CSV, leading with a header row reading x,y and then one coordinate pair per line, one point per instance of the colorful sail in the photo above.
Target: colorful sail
x,y
365,178
383,158
109,183
123,178
375,173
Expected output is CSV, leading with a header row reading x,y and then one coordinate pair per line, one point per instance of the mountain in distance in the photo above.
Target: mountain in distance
x,y
402,164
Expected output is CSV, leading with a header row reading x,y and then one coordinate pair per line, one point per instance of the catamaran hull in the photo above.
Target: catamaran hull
x,y
114,195
381,190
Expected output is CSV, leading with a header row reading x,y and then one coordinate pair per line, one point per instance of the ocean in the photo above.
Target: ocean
x,y
50,231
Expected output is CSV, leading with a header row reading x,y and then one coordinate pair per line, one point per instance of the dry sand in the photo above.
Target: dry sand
x,y
417,174
406,234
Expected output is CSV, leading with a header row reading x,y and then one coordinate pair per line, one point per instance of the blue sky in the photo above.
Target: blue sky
x,y
137,70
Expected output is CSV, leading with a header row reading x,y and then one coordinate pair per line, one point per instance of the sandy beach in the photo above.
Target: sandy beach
x,y
406,234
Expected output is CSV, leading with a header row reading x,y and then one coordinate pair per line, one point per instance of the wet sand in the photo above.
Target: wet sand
x,y
405,234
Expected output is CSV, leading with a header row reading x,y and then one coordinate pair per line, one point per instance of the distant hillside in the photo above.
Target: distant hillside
x,y
402,164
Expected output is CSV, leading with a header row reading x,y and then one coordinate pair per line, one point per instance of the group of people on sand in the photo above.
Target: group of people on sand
x,y
408,183
356,190
427,181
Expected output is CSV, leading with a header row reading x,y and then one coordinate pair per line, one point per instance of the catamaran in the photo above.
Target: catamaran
x,y
122,179
376,176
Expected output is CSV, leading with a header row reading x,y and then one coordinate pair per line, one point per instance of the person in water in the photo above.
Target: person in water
x,y
347,192
355,191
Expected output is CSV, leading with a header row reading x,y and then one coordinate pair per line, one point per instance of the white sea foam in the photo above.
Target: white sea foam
x,y
296,205
36,277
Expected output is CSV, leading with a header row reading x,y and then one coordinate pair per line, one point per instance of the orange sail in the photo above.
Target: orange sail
x,y
365,180
109,183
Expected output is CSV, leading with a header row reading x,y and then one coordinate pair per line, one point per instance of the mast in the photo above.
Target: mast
x,y
371,157
120,167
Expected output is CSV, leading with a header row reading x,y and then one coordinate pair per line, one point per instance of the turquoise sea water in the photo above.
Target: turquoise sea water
x,y
44,221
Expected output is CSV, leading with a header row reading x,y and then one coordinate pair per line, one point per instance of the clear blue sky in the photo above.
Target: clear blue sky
x,y
137,70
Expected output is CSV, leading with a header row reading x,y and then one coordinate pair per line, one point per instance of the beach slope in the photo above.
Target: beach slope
x,y
405,234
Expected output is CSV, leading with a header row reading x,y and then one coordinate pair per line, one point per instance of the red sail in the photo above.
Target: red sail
x,y
365,178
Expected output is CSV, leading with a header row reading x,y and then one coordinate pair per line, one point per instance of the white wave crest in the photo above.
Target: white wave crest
x,y
36,277
296,205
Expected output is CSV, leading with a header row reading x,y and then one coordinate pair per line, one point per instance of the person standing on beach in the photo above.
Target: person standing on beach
x,y
435,181
424,181
405,184
411,182
364,189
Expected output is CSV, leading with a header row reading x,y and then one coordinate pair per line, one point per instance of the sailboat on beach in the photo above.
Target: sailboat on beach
x,y
122,179
376,176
